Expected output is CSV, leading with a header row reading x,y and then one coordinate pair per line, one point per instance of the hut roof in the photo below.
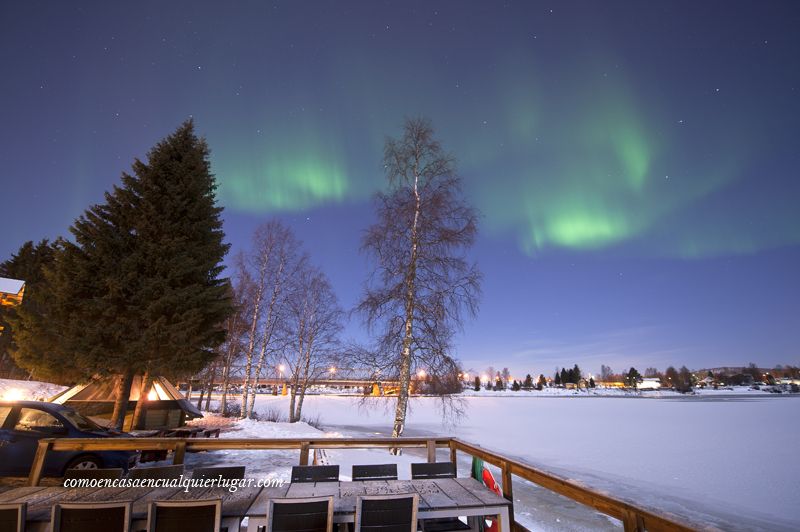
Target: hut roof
x,y
102,389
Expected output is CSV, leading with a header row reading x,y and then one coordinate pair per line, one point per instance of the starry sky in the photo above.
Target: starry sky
x,y
635,163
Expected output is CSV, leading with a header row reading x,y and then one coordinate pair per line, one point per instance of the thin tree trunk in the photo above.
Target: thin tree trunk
x,y
251,344
251,400
226,376
200,399
302,387
144,390
292,396
188,393
268,328
405,359
301,395
210,387
122,392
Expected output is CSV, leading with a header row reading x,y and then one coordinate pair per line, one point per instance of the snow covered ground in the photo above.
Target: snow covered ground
x,y
727,460
14,390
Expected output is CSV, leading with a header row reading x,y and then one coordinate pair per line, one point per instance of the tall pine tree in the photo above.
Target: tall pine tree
x,y
140,291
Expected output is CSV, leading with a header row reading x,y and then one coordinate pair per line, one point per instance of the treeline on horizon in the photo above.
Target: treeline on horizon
x,y
681,380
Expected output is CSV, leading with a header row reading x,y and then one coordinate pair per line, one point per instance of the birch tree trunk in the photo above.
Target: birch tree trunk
x,y
248,367
408,332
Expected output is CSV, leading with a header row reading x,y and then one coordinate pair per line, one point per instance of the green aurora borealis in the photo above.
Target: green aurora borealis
x,y
576,166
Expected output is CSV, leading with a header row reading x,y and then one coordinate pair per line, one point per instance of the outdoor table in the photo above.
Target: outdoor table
x,y
451,497
437,498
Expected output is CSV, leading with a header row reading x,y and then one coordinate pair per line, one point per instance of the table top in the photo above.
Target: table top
x,y
440,494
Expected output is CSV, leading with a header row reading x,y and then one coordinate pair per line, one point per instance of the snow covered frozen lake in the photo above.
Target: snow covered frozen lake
x,y
729,461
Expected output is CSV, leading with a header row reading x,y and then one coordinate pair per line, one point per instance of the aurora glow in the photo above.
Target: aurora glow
x,y
636,166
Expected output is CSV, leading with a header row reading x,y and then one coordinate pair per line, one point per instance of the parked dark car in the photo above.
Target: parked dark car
x,y
24,423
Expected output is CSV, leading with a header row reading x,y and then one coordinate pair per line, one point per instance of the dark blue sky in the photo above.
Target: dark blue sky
x,y
636,164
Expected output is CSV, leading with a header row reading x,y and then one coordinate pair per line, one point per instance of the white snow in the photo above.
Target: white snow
x,y
16,390
723,459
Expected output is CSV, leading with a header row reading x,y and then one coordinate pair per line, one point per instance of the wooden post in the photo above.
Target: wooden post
x,y
304,453
508,493
179,453
633,522
38,461
453,457
431,445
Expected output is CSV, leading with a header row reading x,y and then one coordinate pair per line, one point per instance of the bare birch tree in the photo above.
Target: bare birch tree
x,y
312,324
284,264
422,281
264,272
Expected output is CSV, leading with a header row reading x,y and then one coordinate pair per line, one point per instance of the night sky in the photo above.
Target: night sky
x,y
635,163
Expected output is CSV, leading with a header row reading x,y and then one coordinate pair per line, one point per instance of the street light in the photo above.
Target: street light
x,y
421,374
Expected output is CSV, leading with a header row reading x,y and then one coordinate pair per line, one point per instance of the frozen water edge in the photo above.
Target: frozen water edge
x,y
729,463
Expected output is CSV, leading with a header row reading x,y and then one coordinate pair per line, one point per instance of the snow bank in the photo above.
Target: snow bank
x,y
14,390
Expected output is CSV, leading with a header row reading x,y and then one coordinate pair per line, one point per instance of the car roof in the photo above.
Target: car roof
x,y
42,405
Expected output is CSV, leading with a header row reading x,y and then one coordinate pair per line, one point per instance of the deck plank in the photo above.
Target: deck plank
x,y
21,494
259,505
40,504
458,493
234,504
432,495
480,491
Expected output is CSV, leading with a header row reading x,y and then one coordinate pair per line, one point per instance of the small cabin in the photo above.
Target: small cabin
x,y
11,292
165,407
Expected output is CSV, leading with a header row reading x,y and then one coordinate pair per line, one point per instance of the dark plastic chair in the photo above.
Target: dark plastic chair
x,y
314,514
227,472
387,513
375,472
12,517
91,517
93,474
320,473
433,470
167,472
183,516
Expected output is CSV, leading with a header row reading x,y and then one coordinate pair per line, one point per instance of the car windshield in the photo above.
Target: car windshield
x,y
82,423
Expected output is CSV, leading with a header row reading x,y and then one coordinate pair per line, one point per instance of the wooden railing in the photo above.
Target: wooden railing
x,y
633,518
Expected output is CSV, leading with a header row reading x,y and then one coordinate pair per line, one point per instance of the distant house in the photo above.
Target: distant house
x,y
707,382
610,384
11,291
649,383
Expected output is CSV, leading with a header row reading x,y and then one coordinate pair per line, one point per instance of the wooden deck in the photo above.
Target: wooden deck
x,y
633,517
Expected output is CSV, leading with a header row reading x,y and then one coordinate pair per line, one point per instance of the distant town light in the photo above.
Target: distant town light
x,y
484,378
421,374
332,370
